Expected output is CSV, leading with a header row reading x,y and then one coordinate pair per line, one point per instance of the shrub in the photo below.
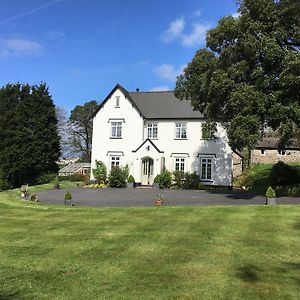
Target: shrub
x,y
44,178
178,177
156,179
68,196
100,172
165,180
131,179
118,177
192,181
282,174
34,198
270,193
294,191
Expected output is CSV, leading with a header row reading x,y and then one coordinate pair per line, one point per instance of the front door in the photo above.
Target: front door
x,y
147,171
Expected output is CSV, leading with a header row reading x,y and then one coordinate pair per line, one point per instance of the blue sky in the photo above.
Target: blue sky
x,y
82,48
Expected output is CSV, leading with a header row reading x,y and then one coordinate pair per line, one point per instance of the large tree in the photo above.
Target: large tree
x,y
248,76
81,128
29,141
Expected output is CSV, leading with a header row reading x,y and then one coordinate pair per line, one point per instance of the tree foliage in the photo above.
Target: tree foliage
x,y
29,141
248,76
81,127
100,172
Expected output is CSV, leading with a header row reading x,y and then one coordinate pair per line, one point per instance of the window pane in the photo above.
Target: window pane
x,y
203,171
208,171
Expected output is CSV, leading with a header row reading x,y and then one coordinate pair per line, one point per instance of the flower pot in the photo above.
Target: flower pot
x,y
155,185
130,185
270,201
159,202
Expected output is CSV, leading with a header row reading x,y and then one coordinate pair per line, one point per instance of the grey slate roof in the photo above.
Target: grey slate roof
x,y
163,105
156,105
273,143
72,168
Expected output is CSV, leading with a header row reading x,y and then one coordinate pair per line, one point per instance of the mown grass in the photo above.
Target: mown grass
x,y
148,253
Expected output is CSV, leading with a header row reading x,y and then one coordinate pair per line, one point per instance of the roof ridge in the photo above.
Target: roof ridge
x,y
149,92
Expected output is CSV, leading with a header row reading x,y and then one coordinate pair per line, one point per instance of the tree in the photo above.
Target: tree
x,y
81,124
63,130
100,172
29,142
248,77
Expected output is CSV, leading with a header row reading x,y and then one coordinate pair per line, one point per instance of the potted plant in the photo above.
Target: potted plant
x,y
270,196
68,199
159,200
56,184
156,182
130,182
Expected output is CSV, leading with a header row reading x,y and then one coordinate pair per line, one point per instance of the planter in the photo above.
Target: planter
x,y
159,202
155,186
130,185
270,201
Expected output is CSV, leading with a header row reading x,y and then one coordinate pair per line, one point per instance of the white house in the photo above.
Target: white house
x,y
150,131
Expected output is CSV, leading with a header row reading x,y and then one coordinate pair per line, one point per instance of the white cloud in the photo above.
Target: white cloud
x,y
15,47
169,72
174,31
55,34
177,31
236,15
196,36
160,88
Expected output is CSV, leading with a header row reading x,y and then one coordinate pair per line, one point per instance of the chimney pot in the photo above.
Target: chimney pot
x,y
137,90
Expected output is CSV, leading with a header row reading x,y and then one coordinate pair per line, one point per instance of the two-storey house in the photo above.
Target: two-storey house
x,y
150,131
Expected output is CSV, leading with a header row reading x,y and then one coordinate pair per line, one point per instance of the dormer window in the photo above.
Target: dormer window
x,y
281,152
117,101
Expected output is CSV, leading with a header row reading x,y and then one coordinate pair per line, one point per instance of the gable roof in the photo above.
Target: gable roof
x,y
273,143
73,167
148,140
156,105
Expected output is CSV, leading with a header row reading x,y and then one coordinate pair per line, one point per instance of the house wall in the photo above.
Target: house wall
x,y
272,156
134,132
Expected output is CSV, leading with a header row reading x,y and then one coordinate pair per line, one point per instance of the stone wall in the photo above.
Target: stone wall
x,y
237,165
271,156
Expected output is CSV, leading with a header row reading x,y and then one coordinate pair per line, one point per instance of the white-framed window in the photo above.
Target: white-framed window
x,y
179,164
117,101
152,130
116,130
281,152
206,168
263,151
114,161
180,131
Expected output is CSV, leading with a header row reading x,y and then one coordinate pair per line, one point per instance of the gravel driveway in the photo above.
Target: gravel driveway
x,y
111,197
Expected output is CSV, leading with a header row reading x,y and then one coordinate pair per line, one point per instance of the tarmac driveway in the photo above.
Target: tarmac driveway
x,y
111,197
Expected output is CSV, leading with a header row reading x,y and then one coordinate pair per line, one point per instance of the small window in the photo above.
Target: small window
x,y
117,101
152,131
114,162
116,130
179,164
262,151
206,169
281,152
181,132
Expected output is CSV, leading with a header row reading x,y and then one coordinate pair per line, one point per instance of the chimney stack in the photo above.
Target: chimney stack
x,y
137,90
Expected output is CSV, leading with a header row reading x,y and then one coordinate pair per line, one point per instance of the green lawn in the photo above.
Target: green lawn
x,y
49,252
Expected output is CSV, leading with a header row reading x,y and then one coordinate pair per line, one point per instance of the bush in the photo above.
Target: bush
x,y
294,191
270,193
68,196
156,179
73,178
118,177
100,172
178,177
131,179
165,180
34,198
44,178
192,181
283,174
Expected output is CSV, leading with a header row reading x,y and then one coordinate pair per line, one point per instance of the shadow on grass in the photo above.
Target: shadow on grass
x,y
248,273
9,296
291,268
297,225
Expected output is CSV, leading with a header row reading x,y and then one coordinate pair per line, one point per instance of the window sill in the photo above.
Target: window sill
x,y
115,138
206,180
183,139
152,138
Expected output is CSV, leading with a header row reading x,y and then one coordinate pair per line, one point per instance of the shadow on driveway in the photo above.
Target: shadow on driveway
x,y
111,197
